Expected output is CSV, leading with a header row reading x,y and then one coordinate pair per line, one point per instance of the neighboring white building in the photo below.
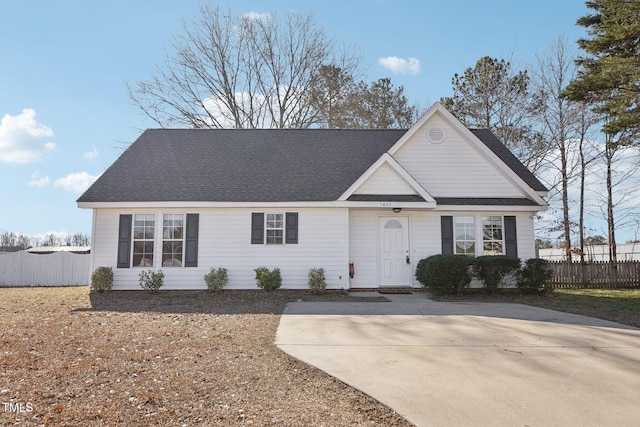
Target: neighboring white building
x,y
187,200
625,252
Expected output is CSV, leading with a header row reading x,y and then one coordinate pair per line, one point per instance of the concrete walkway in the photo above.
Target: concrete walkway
x,y
473,364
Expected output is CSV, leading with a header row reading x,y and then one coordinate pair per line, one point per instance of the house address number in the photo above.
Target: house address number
x,y
385,204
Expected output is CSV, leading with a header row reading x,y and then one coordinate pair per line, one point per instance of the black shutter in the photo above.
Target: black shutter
x,y
191,241
124,241
446,231
291,227
510,237
257,228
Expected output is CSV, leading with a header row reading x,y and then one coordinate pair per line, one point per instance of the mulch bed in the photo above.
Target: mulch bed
x,y
73,358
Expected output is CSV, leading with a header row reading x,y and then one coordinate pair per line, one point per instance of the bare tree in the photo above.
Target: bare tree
x,y
621,166
586,119
559,118
16,240
249,71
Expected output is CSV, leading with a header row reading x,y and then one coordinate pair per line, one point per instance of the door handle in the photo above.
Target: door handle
x,y
408,260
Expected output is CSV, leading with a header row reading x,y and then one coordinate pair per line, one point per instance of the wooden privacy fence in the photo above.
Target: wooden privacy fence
x,y
598,274
56,269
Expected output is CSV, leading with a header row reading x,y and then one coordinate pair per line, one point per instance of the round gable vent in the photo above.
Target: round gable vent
x,y
436,134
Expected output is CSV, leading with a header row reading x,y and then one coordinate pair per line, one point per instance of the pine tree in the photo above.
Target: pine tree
x,y
609,75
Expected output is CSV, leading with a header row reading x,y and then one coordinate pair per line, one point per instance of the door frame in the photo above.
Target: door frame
x,y
408,280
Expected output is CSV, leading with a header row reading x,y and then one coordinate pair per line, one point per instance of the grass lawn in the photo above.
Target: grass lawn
x,y
618,305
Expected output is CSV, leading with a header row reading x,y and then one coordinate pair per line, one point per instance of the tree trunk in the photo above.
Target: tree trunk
x,y
609,152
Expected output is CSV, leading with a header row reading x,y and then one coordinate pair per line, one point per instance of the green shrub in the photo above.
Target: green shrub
x,y
268,280
494,271
317,282
151,280
444,274
216,279
102,279
534,276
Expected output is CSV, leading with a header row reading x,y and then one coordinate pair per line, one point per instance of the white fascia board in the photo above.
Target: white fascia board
x,y
386,158
471,138
261,205
486,208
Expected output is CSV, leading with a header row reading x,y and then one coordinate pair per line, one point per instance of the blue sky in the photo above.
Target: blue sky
x,y
64,110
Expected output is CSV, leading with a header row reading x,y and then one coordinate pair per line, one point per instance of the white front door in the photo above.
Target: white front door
x,y
393,252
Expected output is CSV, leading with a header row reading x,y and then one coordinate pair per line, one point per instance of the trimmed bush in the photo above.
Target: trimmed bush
x,y
268,280
216,279
534,276
493,271
444,274
102,279
317,282
151,280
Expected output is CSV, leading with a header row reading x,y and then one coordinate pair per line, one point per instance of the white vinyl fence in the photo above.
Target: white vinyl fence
x,y
56,269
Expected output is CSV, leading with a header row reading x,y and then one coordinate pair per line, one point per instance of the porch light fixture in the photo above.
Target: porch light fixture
x,y
396,210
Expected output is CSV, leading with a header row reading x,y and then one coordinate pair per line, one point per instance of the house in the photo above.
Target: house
x,y
365,205
594,253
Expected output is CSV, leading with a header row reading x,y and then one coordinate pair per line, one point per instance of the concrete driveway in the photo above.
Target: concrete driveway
x,y
473,364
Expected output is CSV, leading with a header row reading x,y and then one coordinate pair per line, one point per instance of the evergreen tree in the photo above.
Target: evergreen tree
x,y
609,75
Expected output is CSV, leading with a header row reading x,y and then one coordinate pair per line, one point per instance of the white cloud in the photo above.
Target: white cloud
x,y
21,138
401,65
91,154
256,16
75,182
38,181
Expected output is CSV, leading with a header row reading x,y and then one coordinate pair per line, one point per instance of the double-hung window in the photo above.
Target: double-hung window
x,y
492,241
144,226
274,228
172,240
476,235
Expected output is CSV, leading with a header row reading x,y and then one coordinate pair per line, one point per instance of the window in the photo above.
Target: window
x,y
172,240
465,235
496,234
274,229
143,238
492,242
178,240
277,228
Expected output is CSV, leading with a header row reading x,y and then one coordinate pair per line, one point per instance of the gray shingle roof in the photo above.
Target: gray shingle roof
x,y
500,150
258,165
264,165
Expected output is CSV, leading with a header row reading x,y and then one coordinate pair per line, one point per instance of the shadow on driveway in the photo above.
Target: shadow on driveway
x,y
442,363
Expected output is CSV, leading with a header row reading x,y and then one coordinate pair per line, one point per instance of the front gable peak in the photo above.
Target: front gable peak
x,y
386,177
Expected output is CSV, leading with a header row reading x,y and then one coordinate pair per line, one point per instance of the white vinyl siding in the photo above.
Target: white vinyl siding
x,y
329,238
453,168
224,242
385,181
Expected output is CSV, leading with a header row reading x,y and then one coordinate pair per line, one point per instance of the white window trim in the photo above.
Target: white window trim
x,y
162,239
134,240
283,229
479,235
158,238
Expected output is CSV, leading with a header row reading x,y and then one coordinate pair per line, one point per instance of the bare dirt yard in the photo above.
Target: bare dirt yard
x,y
73,358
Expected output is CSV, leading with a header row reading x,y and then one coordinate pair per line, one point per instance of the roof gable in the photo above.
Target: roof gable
x,y
387,177
449,160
